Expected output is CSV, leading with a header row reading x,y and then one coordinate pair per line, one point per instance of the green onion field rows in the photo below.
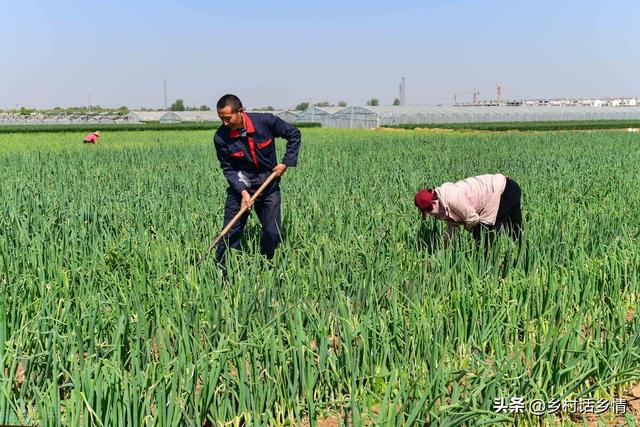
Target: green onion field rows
x,y
363,315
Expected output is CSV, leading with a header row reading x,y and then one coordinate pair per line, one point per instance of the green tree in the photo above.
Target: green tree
x,y
342,104
373,102
396,101
205,108
323,104
302,106
177,106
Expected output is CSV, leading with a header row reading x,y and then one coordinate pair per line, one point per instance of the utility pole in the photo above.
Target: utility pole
x,y
164,84
89,98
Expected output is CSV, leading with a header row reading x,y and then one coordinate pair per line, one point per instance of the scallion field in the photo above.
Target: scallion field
x,y
363,317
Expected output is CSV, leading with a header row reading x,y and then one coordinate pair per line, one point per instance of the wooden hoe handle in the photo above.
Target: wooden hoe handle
x,y
235,219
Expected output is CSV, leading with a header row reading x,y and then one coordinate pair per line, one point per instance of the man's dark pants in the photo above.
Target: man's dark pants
x,y
267,207
509,217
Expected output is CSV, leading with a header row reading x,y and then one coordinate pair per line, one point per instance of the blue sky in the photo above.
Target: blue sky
x,y
281,53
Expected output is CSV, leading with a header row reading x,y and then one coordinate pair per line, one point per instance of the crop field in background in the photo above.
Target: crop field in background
x,y
530,125
149,126
363,315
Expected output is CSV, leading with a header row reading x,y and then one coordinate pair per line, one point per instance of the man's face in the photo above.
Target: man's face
x,y
231,119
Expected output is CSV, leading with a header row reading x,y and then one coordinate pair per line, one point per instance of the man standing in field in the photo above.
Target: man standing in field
x,y
245,146
92,138
479,203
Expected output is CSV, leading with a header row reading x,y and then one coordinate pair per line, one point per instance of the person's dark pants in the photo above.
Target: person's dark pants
x,y
267,207
509,217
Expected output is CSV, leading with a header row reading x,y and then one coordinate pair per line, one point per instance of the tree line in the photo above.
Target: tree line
x,y
179,105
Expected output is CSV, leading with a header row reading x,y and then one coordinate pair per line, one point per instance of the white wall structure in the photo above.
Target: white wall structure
x,y
372,117
189,116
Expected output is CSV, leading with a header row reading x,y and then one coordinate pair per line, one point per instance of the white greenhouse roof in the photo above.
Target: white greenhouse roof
x,y
409,109
146,116
371,117
190,116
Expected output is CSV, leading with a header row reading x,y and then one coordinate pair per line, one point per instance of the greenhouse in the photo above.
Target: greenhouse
x,y
145,116
189,116
62,118
372,117
287,116
322,115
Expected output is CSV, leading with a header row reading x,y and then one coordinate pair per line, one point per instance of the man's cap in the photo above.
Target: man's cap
x,y
97,133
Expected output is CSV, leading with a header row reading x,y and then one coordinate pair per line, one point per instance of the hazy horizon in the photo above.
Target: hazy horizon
x,y
280,54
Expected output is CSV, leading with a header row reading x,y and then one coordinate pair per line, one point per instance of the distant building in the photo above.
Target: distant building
x,y
629,102
559,102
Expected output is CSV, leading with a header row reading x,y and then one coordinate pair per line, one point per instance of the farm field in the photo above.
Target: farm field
x,y
363,317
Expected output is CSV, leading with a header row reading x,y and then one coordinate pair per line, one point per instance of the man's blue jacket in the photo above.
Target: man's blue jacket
x,y
247,157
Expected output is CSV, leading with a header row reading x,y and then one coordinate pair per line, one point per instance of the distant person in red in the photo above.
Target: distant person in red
x,y
92,138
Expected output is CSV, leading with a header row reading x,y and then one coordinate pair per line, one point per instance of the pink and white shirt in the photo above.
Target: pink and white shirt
x,y
471,201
